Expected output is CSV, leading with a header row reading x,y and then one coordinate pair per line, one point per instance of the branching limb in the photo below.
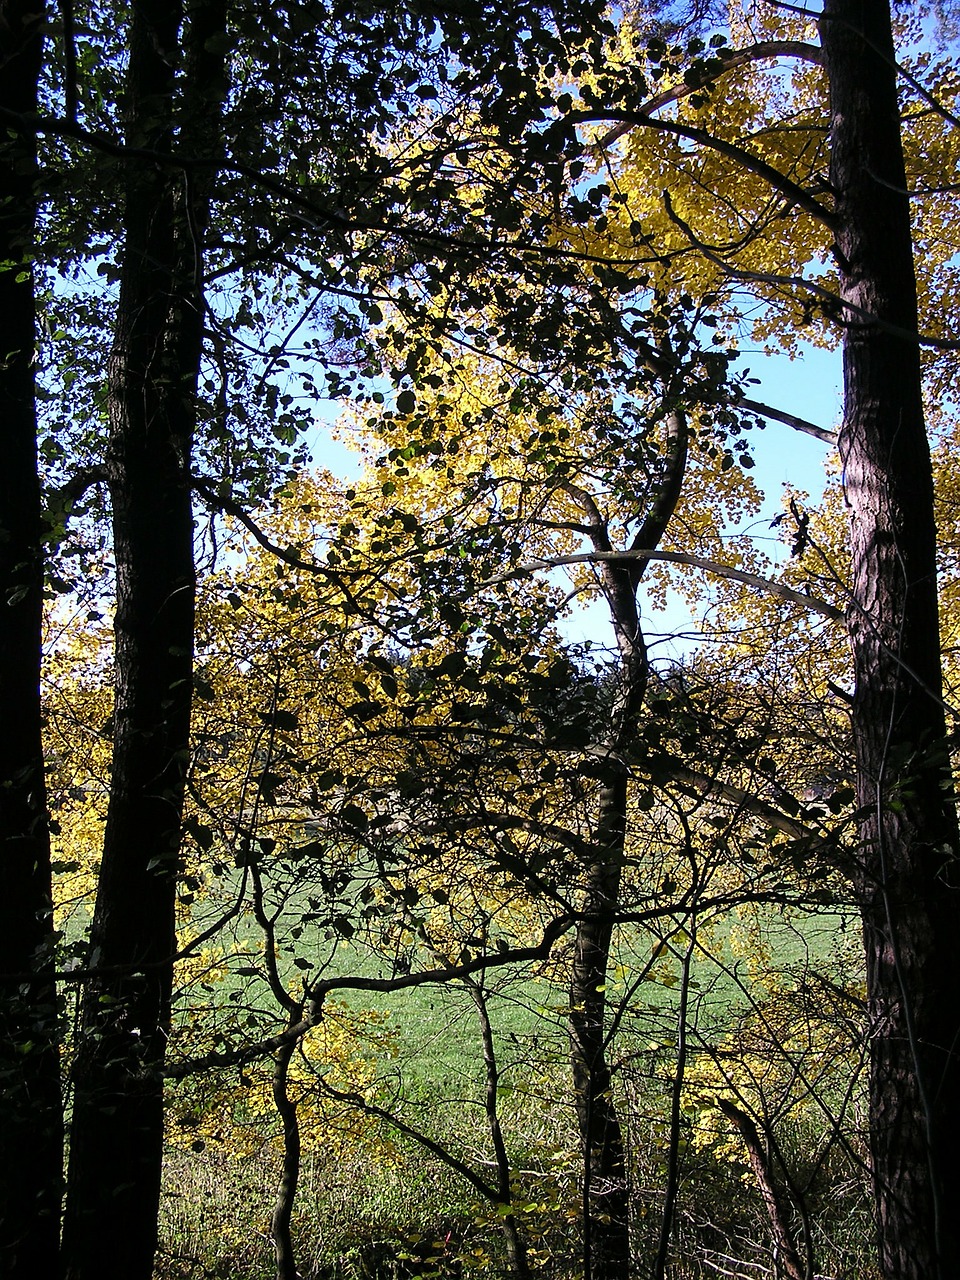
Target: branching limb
x,y
732,59
63,499
755,164
313,1008
832,304
778,589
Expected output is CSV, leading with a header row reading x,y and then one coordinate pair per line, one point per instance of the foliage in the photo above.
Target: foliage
x,y
431,853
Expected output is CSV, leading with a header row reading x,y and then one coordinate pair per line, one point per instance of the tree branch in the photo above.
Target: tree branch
x,y
834,305
778,589
731,61
777,1211
353,982
773,177
228,506
790,420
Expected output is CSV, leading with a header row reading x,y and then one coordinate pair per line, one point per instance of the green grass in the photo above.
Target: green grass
x,y
365,1203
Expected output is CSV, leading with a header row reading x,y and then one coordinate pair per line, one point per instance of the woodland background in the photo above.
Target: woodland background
x,y
356,921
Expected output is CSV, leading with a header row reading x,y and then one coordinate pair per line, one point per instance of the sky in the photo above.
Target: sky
x,y
810,387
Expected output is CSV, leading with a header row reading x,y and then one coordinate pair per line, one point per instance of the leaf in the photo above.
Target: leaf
x,y
355,817
202,834
452,664
221,43
283,719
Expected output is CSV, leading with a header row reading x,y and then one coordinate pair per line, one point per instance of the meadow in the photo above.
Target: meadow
x,y
375,1204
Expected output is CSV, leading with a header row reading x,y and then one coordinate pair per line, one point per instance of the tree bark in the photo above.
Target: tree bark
x,y
31,1138
778,1213
606,1218
516,1253
606,1242
908,878
110,1228
290,1178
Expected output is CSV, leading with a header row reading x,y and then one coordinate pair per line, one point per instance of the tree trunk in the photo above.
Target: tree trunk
x,y
908,878
605,1217
290,1178
110,1228
31,1139
778,1212
516,1252
606,1205
606,1241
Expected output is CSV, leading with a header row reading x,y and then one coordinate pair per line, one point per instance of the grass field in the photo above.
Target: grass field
x,y
374,1204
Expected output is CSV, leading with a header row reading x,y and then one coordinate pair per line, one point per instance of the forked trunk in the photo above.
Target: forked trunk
x,y
606,1198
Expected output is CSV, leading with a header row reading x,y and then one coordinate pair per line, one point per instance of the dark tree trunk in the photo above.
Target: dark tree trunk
x,y
516,1253
908,882
290,1178
110,1228
605,1215
605,1192
606,1218
31,1139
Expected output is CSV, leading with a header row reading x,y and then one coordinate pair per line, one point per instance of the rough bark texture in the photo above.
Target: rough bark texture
x,y
117,1131
908,879
30,1120
606,1237
605,1210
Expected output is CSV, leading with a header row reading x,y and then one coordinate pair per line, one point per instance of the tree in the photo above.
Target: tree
x,y
572,823
30,1122
908,889
169,157
907,833
553,397
117,1127
907,818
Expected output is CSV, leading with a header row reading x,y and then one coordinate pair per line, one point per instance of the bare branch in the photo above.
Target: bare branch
x,y
778,1212
447,1157
778,589
790,420
731,61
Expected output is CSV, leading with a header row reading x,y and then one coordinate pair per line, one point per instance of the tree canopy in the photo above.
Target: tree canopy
x,y
325,848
